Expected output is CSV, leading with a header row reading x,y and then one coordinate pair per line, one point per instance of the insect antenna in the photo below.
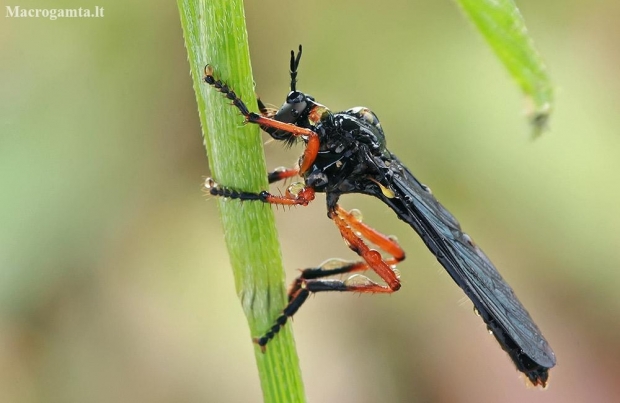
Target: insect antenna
x,y
294,66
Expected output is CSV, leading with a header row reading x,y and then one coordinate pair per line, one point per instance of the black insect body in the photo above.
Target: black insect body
x,y
346,153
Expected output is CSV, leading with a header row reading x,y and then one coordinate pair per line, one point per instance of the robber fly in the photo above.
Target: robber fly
x,y
345,152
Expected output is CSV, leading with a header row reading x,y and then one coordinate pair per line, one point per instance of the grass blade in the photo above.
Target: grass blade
x,y
503,27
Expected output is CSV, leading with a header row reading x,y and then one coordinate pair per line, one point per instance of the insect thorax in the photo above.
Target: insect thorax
x,y
350,141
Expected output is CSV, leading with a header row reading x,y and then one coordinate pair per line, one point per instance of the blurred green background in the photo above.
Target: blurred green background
x,y
115,284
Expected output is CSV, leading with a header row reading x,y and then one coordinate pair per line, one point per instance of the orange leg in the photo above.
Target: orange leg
x,y
310,280
382,241
347,224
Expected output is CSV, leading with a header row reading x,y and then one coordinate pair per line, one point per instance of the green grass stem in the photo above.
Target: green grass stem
x,y
215,33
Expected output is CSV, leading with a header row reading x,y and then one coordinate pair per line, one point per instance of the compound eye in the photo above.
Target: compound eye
x,y
290,112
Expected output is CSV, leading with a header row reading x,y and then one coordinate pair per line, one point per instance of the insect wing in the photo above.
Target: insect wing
x,y
470,268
